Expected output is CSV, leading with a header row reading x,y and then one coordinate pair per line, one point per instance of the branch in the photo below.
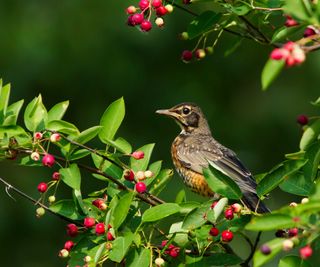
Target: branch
x,y
253,249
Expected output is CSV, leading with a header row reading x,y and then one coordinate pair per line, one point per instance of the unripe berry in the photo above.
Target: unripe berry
x,y
161,11
184,36
48,160
35,156
110,237
293,232
72,230
131,10
128,175
306,252
209,50
305,200
87,259
186,56
40,212
56,176
89,222
226,236
148,174
55,137
174,252
63,253
298,55
37,135
214,231
141,187
287,245
140,176
302,119
139,154
159,262
265,249
51,199
309,31
200,53
68,245
42,187
159,22
169,8
156,3
236,207
143,4
137,19
100,228
293,204
228,214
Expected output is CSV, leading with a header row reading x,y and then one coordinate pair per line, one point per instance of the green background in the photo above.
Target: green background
x,y
83,51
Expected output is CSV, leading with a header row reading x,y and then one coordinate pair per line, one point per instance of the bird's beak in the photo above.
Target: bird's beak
x,y
168,112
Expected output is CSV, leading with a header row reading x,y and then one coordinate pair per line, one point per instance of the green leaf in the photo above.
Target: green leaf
x,y
66,208
120,247
142,164
204,22
180,235
299,9
106,166
87,135
217,259
121,211
222,184
284,32
260,259
111,120
58,111
78,200
181,197
270,71
10,131
63,127
196,217
142,259
159,212
297,184
71,176
121,145
12,113
310,135
155,167
35,115
4,99
240,10
270,222
79,154
317,101
161,181
277,176
293,261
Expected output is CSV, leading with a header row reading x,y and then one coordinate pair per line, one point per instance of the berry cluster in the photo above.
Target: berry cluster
x,y
291,53
141,16
198,53
171,250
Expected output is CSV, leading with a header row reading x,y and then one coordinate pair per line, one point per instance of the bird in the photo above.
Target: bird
x,y
195,149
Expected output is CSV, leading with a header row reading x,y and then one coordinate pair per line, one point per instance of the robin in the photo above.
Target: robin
x,y
195,148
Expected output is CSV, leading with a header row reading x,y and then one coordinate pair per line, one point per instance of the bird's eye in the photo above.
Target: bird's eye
x,y
186,111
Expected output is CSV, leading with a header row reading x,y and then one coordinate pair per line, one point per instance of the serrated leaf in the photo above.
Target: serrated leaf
x,y
120,247
270,71
270,222
121,211
66,208
35,115
58,111
222,184
63,127
293,261
111,120
160,211
71,176
275,246
277,176
310,135
142,164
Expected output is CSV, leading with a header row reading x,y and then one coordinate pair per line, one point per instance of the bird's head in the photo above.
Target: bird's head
x,y
188,116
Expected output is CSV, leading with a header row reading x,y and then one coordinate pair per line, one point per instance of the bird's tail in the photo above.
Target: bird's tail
x,y
252,201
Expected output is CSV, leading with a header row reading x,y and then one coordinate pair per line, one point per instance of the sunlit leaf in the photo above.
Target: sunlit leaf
x,y
66,208
35,115
310,135
142,164
275,246
71,176
58,111
270,222
270,71
120,247
159,212
293,261
63,127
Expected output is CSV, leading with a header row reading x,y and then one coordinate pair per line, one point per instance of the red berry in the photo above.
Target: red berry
x,y
290,22
186,2
48,160
289,46
100,228
109,226
174,252
236,207
213,204
214,231
293,232
279,53
140,154
131,10
68,245
164,243
161,11
226,236
128,175
42,187
89,222
290,61
141,187
56,176
37,135
156,3
110,237
72,230
100,204
186,56
130,21
265,249
309,31
137,18
306,252
143,4
228,214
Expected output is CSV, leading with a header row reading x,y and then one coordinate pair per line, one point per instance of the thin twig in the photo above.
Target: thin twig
x,y
253,249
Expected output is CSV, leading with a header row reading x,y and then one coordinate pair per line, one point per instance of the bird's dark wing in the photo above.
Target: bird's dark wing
x,y
199,153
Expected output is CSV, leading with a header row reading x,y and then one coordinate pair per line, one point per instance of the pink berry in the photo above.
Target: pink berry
x,y
236,207
146,25
302,119
130,21
290,22
186,56
161,11
306,252
228,214
55,137
109,226
72,230
265,249
68,245
110,237
174,252
156,3
289,46
100,228
293,232
279,53
128,175
42,187
141,187
226,236
138,154
131,10
37,135
298,55
214,231
35,156
89,222
137,19
290,61
56,176
309,31
48,160
100,204
143,4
